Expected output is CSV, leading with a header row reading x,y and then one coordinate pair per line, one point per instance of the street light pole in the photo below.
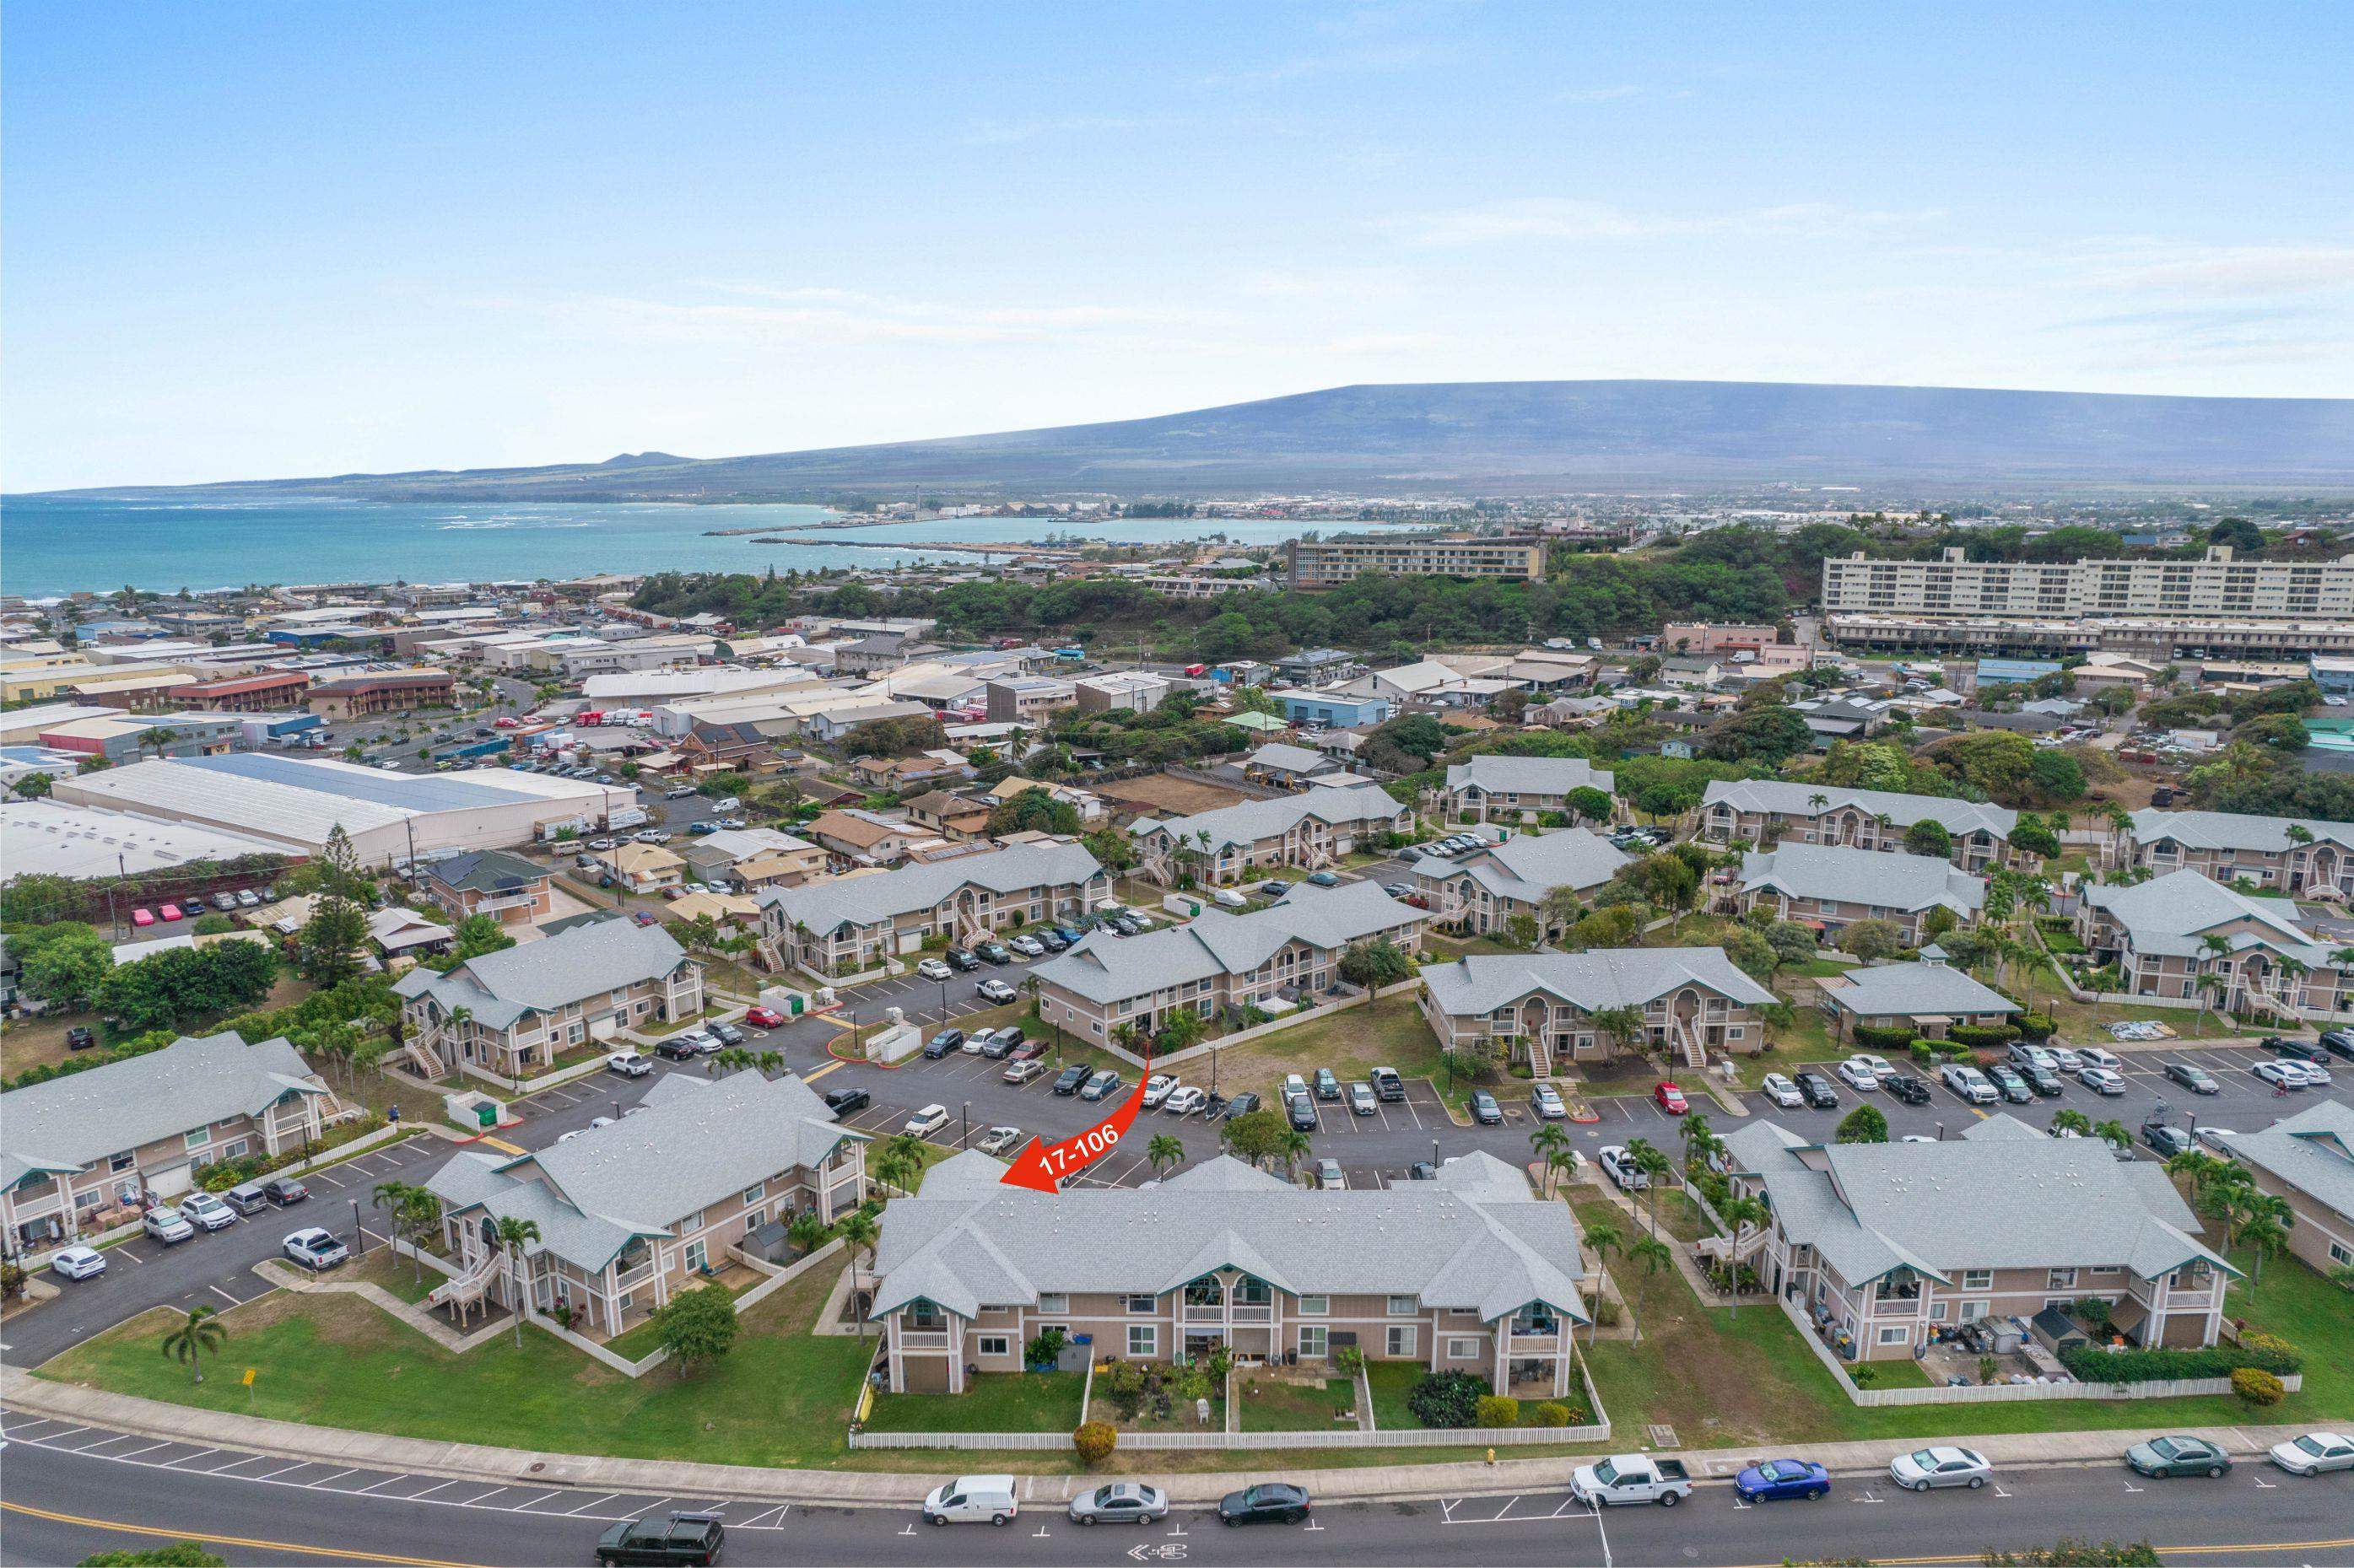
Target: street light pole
x,y
964,1125
359,1237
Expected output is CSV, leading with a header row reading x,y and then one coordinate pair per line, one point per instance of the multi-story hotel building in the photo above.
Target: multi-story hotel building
x,y
1326,563
2216,585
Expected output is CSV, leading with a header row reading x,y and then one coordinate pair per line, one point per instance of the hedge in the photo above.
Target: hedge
x,y
1871,1037
1983,1036
2258,1386
2035,1027
2089,1363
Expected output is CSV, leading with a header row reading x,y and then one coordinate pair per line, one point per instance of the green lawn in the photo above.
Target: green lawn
x,y
399,1276
1676,1215
1392,1382
1821,966
992,1402
1301,1407
644,1340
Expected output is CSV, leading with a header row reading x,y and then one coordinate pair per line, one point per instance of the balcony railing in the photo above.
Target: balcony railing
x,y
929,1340
631,1278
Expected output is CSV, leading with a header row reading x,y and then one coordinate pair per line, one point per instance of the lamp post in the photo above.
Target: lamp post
x,y
964,1125
359,1237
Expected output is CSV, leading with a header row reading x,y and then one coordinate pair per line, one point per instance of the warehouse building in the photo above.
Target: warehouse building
x,y
295,803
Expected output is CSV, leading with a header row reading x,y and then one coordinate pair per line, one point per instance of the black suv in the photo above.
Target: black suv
x,y
1817,1091
2014,1088
80,1038
692,1538
2042,1080
1301,1110
1912,1090
940,1045
842,1102
1068,1083
2339,1043
961,960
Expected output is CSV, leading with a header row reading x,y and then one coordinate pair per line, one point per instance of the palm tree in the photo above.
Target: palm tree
x,y
1295,1147
1601,1239
1741,1213
2113,1133
392,1197
770,1062
2266,1233
1699,1139
899,1162
2250,1208
807,1232
199,1333
159,740
1552,1145
1655,1166
421,1212
1165,1151
860,1233
2208,984
1624,1025
1653,1254
515,1235
2066,1120
1029,987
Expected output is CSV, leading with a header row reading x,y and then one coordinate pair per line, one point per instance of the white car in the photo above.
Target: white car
x,y
995,991
926,1121
934,969
2216,1139
629,1064
1857,1074
1940,1466
998,1140
1882,1068
2094,1057
2286,1073
206,1211
1621,1169
1781,1091
1028,947
315,1249
2101,1080
1969,1083
2064,1059
166,1225
978,1040
79,1261
1157,1089
1185,1100
597,1121
2313,1453
2316,1076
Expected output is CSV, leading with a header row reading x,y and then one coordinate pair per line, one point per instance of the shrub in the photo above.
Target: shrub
x,y
1348,1359
2035,1028
1985,1036
1551,1413
2258,1386
1497,1410
1605,1314
1042,1349
2089,1363
1095,1440
1871,1037
1447,1399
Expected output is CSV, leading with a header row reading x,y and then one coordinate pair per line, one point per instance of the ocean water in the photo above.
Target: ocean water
x,y
55,544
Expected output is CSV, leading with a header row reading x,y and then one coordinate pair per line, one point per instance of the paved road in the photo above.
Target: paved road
x,y
265,1508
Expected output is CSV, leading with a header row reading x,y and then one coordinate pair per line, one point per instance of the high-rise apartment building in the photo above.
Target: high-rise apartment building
x,y
2215,585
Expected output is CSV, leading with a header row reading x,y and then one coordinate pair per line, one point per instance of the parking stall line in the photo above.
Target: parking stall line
x,y
584,1508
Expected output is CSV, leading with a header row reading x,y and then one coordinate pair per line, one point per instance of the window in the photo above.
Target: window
x,y
1977,1279
119,1162
233,1150
1054,1303
755,1193
1402,1338
2339,1254
1141,1304
201,1136
996,1345
1315,1340
1896,1336
1143,1340
1315,1306
1937,1311
1465,1349
2061,1280
692,1222
1401,1307
1971,1311
695,1257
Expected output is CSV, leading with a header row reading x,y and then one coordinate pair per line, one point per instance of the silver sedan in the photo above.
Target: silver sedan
x,y
1121,1502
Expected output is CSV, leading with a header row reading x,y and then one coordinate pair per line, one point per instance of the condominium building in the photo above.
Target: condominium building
x,y
1540,1007
2185,935
2309,858
520,1008
2215,584
1326,563
854,923
2164,637
1771,811
1832,887
1307,832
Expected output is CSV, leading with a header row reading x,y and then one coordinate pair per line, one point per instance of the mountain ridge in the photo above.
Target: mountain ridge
x,y
1471,438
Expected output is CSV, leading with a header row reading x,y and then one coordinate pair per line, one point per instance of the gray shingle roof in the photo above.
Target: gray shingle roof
x,y
884,896
540,977
2230,829
1957,817
1910,883
1252,821
486,871
2168,917
2312,1151
1108,968
1597,981
1476,1237
1915,991
1526,868
68,1122
1528,774
1288,758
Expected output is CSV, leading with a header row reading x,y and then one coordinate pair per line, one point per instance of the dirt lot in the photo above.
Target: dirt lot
x,y
1159,793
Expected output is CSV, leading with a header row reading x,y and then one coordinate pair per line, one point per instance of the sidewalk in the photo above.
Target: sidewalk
x,y
22,1393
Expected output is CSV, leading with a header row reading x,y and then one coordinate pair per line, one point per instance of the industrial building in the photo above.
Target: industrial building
x,y
49,838
295,803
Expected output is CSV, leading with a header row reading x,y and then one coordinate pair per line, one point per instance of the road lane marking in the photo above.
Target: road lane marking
x,y
224,1296
291,1548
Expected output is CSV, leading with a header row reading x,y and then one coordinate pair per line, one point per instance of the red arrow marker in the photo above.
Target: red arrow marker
x,y
1042,1166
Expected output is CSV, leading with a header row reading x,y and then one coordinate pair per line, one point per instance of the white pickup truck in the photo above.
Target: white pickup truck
x,y
1631,1478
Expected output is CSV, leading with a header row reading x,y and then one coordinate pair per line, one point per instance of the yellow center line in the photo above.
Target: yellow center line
x,y
291,1548
502,1145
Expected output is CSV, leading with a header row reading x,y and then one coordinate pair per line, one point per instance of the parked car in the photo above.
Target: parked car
x,y
1421,1171
2009,1085
1670,1098
78,1262
727,1034
1028,947
1069,933
168,911
2101,1080
2313,1453
2338,1043
959,960
247,898
1940,1466
1625,1479
629,1064
934,969
2042,1080
1361,1099
1327,1087
1817,1088
1158,1089
1322,879
2168,1141
1269,1502
142,917
1100,1086
2215,1139
1124,1502
677,1048
1024,1050
971,1499
843,1102
1771,1480
2180,1455
1023,1071
642,918
926,1121
1484,1108
678,1537
1396,889
1329,1176
1909,1087
995,991
1054,941
247,1198
1857,1074
315,1249
978,1042
284,1190
1969,1083
2194,1078
1388,1088
1779,1089
764,1017
993,953
2282,1073
1071,1078
80,1038
1002,1042
166,1224
1300,1111
944,1044
1185,1100
1622,1171
2063,1060
1545,1100
2316,1076
1241,1105
2094,1057
206,1211
998,1140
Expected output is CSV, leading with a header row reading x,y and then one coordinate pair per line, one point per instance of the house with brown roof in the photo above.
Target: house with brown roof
x,y
856,834
363,695
949,814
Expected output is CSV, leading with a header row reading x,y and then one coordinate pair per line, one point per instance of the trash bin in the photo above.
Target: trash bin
x,y
486,1116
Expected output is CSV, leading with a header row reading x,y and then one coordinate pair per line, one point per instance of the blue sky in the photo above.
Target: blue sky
x,y
258,240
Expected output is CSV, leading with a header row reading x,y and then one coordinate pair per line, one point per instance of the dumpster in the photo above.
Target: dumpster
x,y
486,1116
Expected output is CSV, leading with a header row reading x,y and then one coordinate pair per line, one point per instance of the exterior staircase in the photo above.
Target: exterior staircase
x,y
465,1290
424,1058
1686,1046
1540,1056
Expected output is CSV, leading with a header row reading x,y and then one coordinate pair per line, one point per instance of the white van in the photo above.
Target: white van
x,y
969,1499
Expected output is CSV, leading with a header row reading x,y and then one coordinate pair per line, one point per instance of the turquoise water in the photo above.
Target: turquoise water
x,y
55,544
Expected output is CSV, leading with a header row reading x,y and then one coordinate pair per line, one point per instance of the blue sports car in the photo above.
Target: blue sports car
x,y
1775,1478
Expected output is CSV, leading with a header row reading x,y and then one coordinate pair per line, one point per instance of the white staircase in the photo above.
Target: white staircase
x,y
465,1290
1540,1056
422,1055
1687,1046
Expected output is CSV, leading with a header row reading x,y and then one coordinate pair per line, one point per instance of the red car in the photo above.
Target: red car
x,y
506,724
169,911
142,917
763,1017
1670,1098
